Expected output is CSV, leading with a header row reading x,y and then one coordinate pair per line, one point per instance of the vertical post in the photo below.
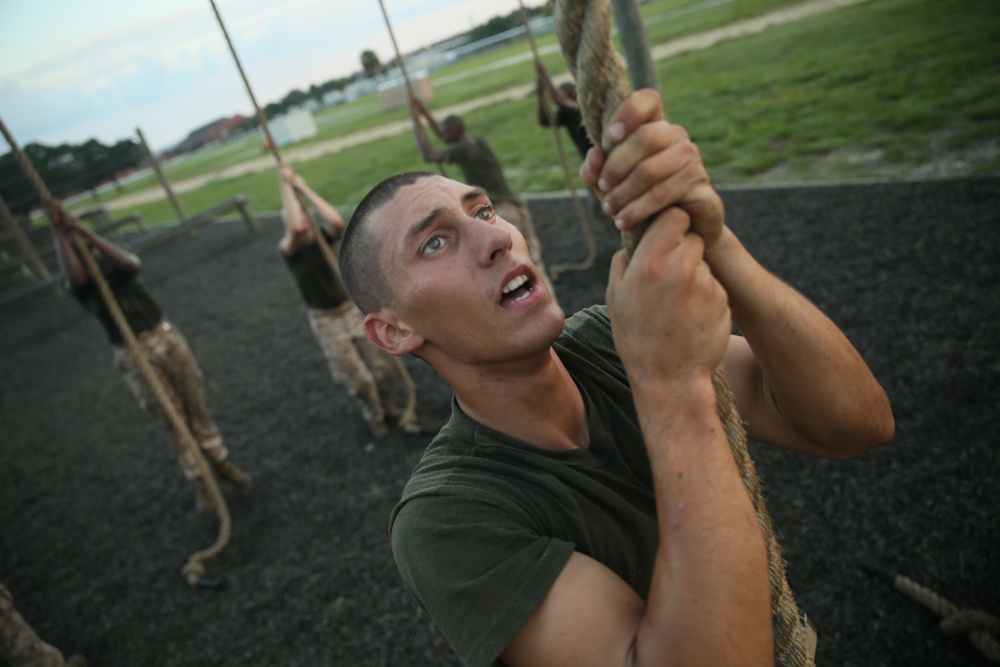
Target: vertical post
x,y
23,242
154,162
641,73
248,217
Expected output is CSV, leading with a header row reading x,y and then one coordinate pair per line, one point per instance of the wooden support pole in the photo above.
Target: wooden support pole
x,y
154,162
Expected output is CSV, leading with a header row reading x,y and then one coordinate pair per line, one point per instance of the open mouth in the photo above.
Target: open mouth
x,y
516,289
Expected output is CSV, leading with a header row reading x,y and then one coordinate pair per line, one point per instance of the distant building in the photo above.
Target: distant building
x,y
333,98
295,125
359,88
217,130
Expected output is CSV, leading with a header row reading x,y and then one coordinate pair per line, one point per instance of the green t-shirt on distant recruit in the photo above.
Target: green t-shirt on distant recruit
x,y
486,522
480,166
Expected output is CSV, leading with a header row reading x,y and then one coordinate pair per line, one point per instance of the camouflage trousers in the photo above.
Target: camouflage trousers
x,y
169,355
518,215
368,373
19,645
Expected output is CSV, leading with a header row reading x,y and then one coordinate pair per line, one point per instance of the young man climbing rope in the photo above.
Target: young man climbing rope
x,y
567,115
165,347
368,373
582,505
567,112
481,167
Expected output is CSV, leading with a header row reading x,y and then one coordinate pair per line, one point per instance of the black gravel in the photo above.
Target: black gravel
x,y
96,519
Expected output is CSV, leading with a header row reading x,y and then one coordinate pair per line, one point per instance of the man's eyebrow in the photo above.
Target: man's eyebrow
x,y
470,196
474,194
429,219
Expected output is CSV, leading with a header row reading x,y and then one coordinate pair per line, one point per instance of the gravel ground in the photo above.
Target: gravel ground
x,y
96,519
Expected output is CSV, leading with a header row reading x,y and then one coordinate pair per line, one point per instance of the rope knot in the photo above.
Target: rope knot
x,y
980,628
962,621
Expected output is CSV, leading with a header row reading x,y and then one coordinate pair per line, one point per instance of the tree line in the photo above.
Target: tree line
x,y
67,169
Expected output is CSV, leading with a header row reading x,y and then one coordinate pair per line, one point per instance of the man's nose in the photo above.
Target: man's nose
x,y
493,240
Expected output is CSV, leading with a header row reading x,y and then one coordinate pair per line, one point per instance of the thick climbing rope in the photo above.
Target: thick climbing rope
x,y
584,31
194,570
402,68
581,215
980,627
271,145
410,410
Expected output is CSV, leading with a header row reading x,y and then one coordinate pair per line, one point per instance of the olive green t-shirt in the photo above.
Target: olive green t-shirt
x,y
480,166
136,303
320,285
486,522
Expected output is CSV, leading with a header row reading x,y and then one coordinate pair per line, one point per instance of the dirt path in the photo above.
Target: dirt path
x,y
661,52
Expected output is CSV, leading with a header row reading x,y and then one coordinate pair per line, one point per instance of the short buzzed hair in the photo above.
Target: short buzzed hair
x,y
359,251
452,126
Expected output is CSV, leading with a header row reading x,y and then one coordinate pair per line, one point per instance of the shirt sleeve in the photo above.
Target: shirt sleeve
x,y
477,570
449,152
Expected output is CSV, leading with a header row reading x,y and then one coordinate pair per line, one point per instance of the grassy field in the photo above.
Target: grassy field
x,y
882,89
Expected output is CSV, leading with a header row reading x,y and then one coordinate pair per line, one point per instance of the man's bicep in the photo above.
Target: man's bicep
x,y
590,616
476,568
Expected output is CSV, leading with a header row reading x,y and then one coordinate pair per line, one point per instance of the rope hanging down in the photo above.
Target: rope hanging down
x,y
402,68
409,412
194,569
581,215
584,31
980,627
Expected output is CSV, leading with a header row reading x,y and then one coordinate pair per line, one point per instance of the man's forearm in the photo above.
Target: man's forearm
x,y
69,261
291,210
120,258
326,210
709,600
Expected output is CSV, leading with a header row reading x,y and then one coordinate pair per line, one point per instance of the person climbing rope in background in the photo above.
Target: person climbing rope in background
x,y
567,115
368,374
567,112
582,505
163,343
480,166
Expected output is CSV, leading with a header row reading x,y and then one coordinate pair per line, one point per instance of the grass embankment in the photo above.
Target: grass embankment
x,y
874,90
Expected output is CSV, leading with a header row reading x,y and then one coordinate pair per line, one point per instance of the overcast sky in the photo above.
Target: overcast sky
x,y
71,70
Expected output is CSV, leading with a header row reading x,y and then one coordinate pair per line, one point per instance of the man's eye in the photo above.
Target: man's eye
x,y
432,245
485,213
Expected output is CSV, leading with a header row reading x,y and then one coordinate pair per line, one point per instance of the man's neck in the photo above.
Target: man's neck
x,y
535,401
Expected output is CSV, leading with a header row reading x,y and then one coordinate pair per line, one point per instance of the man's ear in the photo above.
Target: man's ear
x,y
391,335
